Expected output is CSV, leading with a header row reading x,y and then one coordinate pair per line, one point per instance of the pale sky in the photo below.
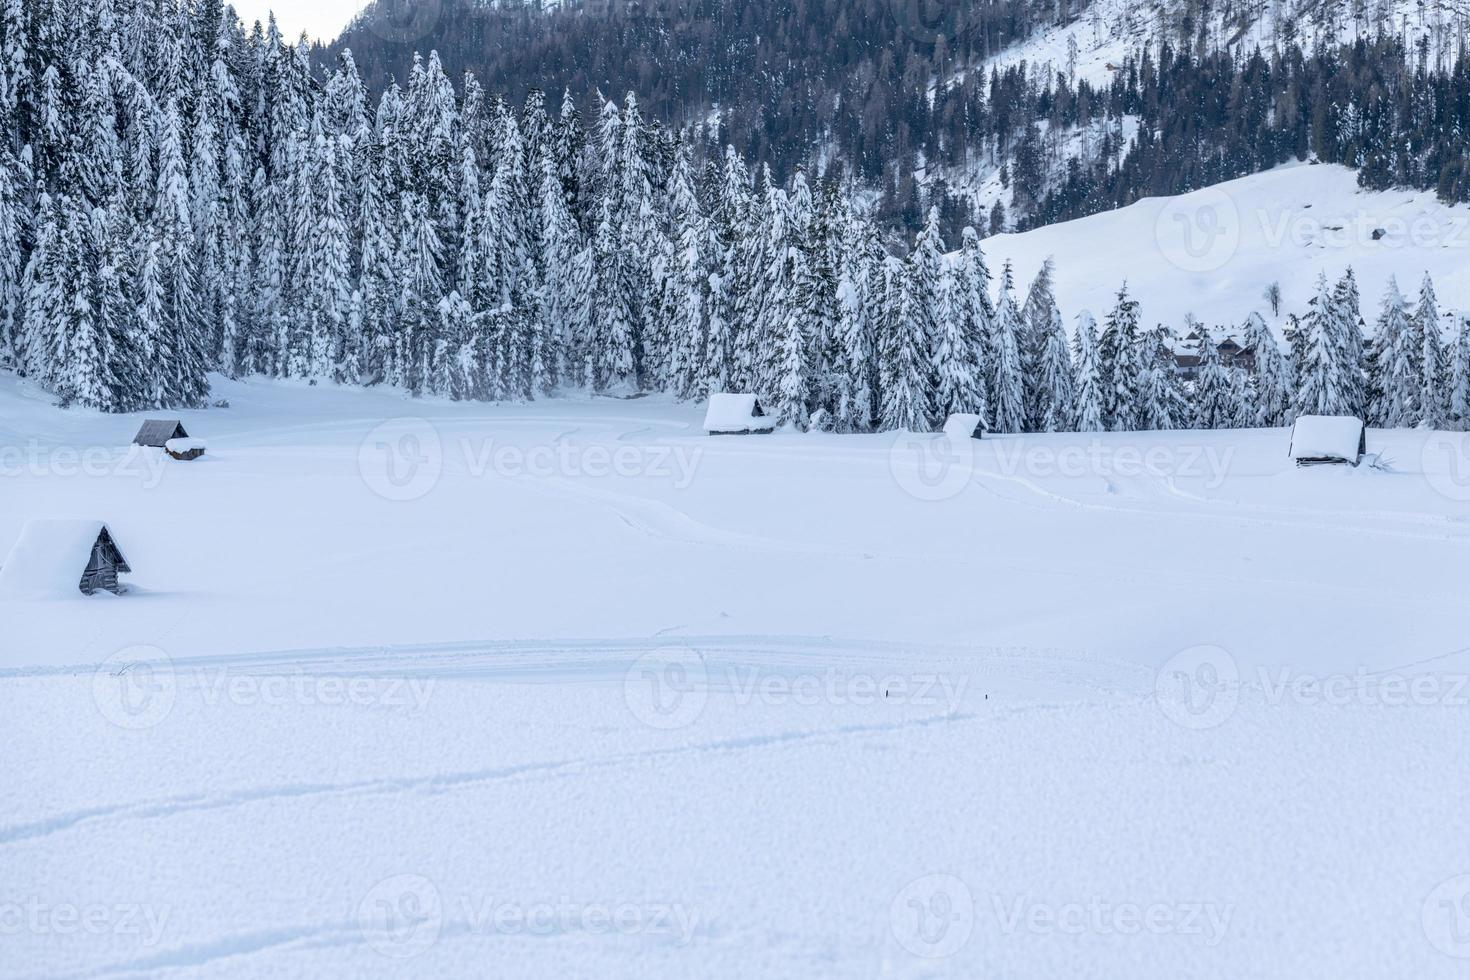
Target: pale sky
x,y
320,19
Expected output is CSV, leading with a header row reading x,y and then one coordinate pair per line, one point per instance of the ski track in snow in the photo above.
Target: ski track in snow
x,y
436,782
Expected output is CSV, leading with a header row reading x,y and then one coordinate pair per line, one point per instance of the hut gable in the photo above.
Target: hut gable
x,y
60,558
1317,439
964,425
732,414
157,432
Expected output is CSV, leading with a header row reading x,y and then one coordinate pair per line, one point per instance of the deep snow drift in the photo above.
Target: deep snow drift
x,y
571,689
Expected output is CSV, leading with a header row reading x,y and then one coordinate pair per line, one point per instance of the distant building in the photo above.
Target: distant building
x,y
1232,355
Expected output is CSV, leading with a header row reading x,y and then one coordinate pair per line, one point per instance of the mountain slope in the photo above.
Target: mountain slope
x,y
1213,252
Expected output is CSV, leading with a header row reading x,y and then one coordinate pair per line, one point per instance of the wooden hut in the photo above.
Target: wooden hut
x,y
1328,439
736,415
965,425
184,449
157,432
57,558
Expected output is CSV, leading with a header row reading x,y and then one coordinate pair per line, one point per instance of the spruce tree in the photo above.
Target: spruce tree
x,y
1433,408
1087,400
1271,392
1006,386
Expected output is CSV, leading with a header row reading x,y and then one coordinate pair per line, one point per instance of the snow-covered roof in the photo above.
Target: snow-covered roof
x,y
50,556
735,413
156,432
963,425
183,445
1327,437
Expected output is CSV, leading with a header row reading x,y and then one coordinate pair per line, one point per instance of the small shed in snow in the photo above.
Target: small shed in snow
x,y
736,415
1319,439
157,432
964,425
60,558
184,448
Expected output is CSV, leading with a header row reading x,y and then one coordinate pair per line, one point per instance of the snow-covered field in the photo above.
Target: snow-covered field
x,y
1213,252
568,689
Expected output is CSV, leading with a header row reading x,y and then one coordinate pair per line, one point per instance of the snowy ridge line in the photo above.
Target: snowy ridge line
x,y
440,782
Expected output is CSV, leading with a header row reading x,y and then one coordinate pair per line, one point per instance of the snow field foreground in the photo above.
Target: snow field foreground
x,y
569,689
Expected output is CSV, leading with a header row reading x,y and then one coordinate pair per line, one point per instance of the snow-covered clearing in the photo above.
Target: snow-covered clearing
x,y
1213,252
569,689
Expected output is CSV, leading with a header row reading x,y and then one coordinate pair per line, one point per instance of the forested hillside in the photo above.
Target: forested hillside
x,y
905,97
179,196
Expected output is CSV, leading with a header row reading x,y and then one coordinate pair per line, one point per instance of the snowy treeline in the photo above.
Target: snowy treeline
x,y
178,196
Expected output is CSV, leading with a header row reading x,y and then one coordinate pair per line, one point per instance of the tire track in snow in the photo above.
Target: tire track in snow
x,y
438,782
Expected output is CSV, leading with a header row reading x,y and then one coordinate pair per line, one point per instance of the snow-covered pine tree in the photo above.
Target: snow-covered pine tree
x,y
1271,393
926,272
1164,404
10,257
1460,377
972,282
1007,392
1038,315
420,256
905,369
1213,406
1323,390
1087,399
1396,382
1053,380
1432,405
1348,309
1121,365
564,287
182,359
330,287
